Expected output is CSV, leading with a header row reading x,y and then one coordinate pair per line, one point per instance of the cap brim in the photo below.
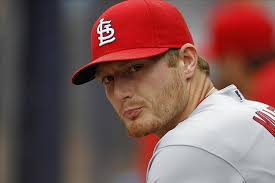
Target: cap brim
x,y
87,72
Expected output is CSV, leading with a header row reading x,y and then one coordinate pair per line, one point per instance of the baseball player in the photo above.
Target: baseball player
x,y
242,37
144,56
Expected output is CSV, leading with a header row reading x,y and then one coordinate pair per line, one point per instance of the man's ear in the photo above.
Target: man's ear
x,y
188,55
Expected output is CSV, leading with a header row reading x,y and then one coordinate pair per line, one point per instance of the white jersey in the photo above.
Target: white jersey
x,y
226,139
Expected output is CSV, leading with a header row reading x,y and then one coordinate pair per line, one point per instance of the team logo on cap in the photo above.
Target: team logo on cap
x,y
106,32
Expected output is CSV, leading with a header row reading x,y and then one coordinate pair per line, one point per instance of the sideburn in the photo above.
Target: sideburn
x,y
173,109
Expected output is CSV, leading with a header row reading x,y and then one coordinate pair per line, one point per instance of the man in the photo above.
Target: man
x,y
242,37
144,55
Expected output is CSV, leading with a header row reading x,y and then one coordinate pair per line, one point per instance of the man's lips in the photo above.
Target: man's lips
x,y
132,113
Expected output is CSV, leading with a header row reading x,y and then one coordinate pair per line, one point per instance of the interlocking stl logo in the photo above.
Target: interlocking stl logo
x,y
106,32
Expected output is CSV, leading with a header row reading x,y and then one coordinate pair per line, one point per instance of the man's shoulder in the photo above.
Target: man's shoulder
x,y
220,125
182,163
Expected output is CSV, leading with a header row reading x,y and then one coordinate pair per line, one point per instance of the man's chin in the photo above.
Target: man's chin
x,y
140,127
140,132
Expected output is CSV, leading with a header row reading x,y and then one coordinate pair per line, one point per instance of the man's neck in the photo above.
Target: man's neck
x,y
200,87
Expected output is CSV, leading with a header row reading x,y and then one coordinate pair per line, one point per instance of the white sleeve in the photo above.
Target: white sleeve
x,y
186,164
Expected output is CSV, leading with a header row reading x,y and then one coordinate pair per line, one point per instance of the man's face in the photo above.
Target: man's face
x,y
148,95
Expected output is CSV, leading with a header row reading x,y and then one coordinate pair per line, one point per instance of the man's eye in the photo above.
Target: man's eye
x,y
135,67
107,79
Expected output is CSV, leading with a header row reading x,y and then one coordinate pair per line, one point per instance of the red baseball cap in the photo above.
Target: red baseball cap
x,y
134,29
241,28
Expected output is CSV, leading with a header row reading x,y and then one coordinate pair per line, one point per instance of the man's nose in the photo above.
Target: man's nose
x,y
123,89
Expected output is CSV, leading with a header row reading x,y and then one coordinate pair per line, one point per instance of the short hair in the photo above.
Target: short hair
x,y
172,57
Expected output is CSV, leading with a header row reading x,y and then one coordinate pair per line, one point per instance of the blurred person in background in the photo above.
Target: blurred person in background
x,y
145,149
241,38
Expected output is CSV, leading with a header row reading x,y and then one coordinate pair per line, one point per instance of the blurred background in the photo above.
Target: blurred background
x,y
50,130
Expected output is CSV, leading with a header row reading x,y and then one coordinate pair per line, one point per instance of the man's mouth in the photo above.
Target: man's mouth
x,y
132,113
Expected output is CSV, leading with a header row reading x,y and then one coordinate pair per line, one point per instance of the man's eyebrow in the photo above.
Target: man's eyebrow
x,y
119,65
98,73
